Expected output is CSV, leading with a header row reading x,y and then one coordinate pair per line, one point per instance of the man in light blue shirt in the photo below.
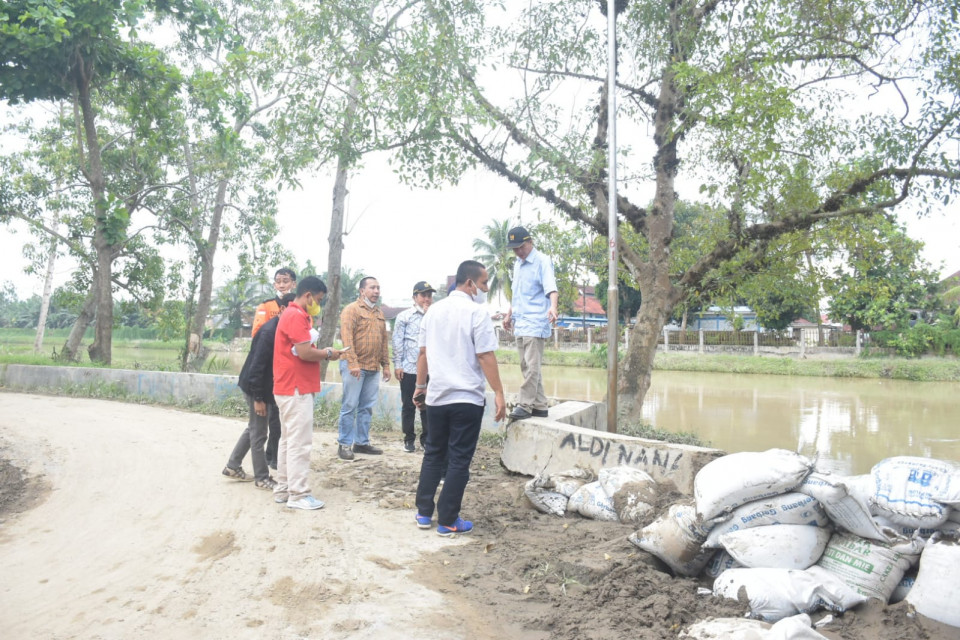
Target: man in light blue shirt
x,y
532,316
406,350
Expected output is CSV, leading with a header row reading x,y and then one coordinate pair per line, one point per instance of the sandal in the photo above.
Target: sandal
x,y
236,474
266,483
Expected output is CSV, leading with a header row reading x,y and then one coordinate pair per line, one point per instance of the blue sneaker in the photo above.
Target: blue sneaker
x,y
460,526
423,521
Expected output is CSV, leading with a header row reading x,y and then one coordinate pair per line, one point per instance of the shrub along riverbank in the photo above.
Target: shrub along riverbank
x,y
16,348
916,369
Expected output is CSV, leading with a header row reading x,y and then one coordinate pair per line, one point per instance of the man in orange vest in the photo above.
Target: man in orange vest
x,y
284,281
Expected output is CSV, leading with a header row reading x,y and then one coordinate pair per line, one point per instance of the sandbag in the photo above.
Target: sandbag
x,y
847,509
871,568
906,531
551,493
785,546
724,484
915,491
545,500
787,508
633,492
773,594
796,627
720,562
934,594
904,586
675,537
592,502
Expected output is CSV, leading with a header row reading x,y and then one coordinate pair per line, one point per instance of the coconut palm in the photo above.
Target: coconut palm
x,y
235,299
492,251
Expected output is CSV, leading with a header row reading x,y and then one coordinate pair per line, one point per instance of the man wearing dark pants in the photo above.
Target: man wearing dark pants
x,y
406,349
457,345
285,282
256,382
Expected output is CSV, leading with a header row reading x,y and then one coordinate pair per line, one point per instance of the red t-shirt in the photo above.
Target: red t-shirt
x,y
290,373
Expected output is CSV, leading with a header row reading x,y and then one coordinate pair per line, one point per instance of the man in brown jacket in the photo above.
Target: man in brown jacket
x,y
363,331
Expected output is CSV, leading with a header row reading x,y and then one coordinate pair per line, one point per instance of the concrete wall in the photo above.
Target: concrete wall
x,y
178,388
538,445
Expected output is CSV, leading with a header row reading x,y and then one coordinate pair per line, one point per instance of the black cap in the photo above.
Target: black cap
x,y
516,237
423,287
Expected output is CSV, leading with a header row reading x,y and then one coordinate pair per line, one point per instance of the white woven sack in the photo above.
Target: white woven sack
x,y
796,627
785,546
720,562
735,479
675,538
915,491
935,592
633,492
543,499
592,502
846,509
787,508
871,568
773,594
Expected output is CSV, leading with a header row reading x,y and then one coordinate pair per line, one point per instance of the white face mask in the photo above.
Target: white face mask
x,y
367,302
480,297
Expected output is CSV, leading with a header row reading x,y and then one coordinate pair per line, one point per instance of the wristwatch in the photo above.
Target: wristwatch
x,y
421,386
329,353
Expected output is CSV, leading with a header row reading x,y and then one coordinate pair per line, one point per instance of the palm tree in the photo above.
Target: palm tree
x,y
236,299
492,251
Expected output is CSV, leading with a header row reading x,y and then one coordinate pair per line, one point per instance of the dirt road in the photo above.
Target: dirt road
x,y
123,527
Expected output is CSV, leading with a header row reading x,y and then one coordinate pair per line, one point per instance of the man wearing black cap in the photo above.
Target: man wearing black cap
x,y
406,349
532,316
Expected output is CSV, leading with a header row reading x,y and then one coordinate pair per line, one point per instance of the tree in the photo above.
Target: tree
x,y
236,300
493,252
72,50
884,283
739,98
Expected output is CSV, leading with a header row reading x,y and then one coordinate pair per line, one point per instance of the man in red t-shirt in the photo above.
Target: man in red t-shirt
x,y
296,378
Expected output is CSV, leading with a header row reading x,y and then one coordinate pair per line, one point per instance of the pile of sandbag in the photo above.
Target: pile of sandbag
x,y
617,494
792,540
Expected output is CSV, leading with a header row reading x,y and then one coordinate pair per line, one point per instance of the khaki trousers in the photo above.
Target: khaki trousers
x,y
296,440
531,394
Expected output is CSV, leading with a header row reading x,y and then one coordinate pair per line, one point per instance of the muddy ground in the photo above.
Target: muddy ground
x,y
115,522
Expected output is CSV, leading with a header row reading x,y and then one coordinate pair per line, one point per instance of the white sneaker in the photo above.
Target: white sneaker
x,y
306,502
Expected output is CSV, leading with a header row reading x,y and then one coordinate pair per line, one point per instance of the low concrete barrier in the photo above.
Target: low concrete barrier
x,y
539,445
174,387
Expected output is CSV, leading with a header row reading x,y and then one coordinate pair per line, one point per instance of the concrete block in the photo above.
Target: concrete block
x,y
542,445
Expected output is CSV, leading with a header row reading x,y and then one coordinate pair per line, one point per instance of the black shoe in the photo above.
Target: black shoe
x,y
345,453
409,447
519,413
539,413
368,449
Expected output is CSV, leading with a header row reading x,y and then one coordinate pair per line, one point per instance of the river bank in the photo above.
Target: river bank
x,y
156,355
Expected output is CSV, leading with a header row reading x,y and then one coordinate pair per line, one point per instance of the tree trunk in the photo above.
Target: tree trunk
x,y
658,295
105,234
206,254
331,310
70,348
47,292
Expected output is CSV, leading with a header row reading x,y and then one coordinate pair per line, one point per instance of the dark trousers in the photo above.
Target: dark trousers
x,y
273,438
452,441
408,412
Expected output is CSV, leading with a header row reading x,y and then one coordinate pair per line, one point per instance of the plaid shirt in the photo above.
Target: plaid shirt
x,y
365,331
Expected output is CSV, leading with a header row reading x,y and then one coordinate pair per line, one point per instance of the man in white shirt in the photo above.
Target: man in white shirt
x,y
457,345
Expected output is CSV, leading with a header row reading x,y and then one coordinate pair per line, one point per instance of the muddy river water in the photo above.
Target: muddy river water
x,y
849,423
